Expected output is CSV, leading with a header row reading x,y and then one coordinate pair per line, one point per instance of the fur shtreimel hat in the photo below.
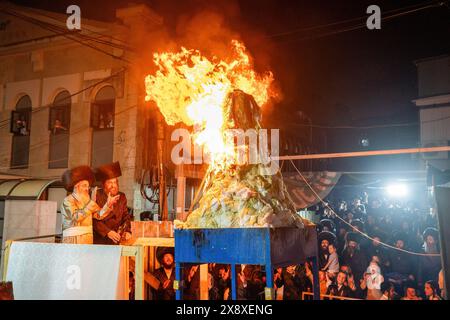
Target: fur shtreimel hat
x,y
72,176
353,236
108,171
399,235
162,251
327,235
431,232
329,224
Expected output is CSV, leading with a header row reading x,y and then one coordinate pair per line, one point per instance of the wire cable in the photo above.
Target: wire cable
x,y
361,25
286,33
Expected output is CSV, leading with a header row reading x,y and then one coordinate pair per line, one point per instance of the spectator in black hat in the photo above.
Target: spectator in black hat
x,y
325,238
429,266
402,264
353,256
358,225
327,225
376,249
165,274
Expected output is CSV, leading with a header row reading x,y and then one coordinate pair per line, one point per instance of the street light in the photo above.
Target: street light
x,y
397,190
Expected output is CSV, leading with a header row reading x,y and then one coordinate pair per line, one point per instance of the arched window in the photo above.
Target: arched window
x,y
102,123
59,127
20,127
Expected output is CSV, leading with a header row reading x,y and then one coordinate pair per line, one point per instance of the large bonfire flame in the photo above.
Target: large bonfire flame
x,y
192,89
214,95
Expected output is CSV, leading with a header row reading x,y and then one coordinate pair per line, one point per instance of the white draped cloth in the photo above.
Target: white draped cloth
x,y
48,271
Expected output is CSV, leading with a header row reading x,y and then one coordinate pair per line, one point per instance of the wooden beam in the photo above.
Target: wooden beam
x,y
362,153
129,251
204,290
139,274
155,242
8,244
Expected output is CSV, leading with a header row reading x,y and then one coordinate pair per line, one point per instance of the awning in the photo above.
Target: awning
x,y
24,189
6,186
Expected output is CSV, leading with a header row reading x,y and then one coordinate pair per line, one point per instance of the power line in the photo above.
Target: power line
x,y
63,29
57,30
40,12
286,33
362,25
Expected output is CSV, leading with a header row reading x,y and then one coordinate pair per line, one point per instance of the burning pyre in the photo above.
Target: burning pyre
x,y
214,96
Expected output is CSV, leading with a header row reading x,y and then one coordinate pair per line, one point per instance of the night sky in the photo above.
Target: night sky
x,y
359,77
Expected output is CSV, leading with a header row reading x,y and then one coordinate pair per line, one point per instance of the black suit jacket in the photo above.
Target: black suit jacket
x,y
117,218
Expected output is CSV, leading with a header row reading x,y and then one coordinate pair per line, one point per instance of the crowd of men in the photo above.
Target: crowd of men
x,y
354,261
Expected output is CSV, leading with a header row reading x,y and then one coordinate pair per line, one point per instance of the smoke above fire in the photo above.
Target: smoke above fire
x,y
190,88
201,61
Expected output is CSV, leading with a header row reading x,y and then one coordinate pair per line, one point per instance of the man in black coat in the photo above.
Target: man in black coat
x,y
117,226
353,257
165,274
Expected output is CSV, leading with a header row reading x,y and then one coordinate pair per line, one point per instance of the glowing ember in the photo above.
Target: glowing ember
x,y
192,89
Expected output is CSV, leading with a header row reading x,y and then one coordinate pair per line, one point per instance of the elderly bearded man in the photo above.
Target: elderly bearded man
x,y
78,211
116,226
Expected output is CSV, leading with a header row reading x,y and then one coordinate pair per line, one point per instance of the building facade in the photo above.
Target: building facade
x,y
74,97
434,107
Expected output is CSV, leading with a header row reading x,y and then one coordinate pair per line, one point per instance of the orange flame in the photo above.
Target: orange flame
x,y
190,88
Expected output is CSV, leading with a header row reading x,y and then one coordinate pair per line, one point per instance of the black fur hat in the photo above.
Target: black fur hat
x,y
161,251
353,236
108,171
329,224
400,235
72,176
431,232
327,235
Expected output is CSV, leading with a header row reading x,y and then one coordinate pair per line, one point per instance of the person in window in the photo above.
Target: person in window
x,y
78,209
101,122
109,120
58,127
21,126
